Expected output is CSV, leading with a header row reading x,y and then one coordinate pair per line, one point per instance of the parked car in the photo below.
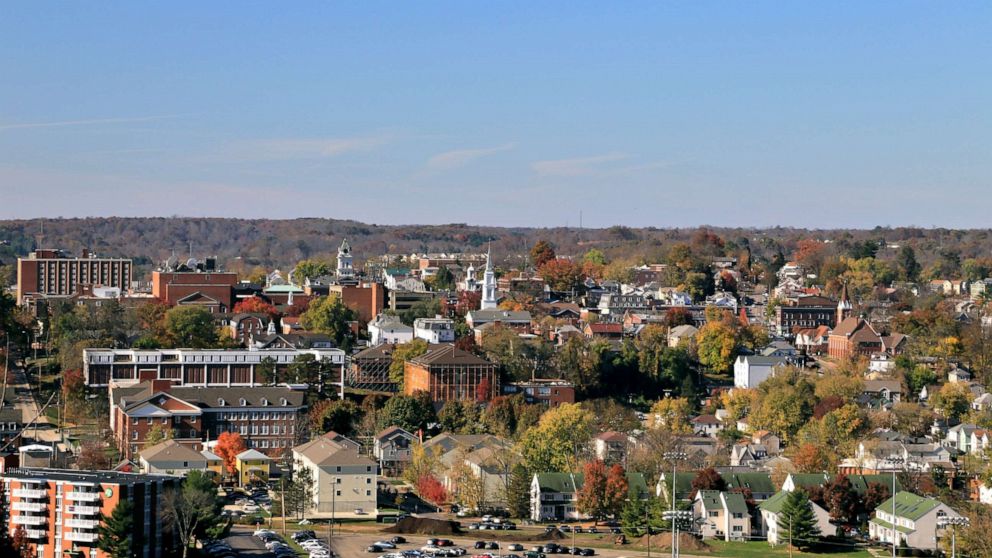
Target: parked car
x,y
480,544
492,545
515,546
371,548
397,540
588,552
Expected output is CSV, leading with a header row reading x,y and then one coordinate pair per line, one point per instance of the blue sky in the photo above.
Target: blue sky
x,y
503,113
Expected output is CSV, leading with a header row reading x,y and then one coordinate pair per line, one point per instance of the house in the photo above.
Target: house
x,y
252,467
434,330
612,446
170,458
982,402
552,495
771,509
517,320
722,515
751,370
344,481
544,391
855,336
760,485
706,425
812,341
604,330
888,391
880,455
389,329
681,334
214,463
393,447
915,519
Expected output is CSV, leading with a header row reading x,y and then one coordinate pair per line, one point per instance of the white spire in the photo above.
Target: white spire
x,y
489,301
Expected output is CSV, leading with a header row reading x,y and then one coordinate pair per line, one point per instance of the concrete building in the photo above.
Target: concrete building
x,y
344,481
212,290
60,510
55,273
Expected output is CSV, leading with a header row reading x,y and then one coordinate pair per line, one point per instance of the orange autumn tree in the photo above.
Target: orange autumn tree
x,y
431,489
229,445
617,489
603,490
255,305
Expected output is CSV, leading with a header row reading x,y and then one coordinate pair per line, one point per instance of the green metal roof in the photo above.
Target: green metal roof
x,y
568,483
710,498
808,480
860,482
908,505
775,503
735,502
756,482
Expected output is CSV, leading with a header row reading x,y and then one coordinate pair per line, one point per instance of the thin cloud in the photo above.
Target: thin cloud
x,y
90,122
575,167
297,148
461,157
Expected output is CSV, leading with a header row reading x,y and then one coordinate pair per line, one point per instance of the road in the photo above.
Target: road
x,y
245,544
30,409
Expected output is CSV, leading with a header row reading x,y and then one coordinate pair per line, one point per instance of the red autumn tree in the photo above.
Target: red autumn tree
x,y
541,253
708,479
255,305
229,445
467,343
467,301
431,489
561,274
591,499
483,391
93,456
809,458
617,489
678,316
20,543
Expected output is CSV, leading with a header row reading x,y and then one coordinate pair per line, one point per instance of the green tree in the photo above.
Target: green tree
x,y
192,327
420,309
266,370
553,445
518,492
328,315
459,417
338,415
908,266
401,354
192,511
796,522
299,491
310,269
595,257
409,412
157,434
116,532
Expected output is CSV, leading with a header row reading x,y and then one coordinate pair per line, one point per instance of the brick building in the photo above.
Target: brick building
x,y
60,510
448,373
551,393
213,290
196,367
367,299
266,417
55,273
805,312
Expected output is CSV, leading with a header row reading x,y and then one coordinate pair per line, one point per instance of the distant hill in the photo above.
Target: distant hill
x,y
280,243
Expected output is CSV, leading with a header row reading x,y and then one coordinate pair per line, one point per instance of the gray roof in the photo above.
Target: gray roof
x,y
323,452
171,450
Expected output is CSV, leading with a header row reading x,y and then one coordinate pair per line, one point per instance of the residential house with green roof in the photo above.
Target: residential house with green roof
x,y
759,484
771,508
915,519
722,515
553,495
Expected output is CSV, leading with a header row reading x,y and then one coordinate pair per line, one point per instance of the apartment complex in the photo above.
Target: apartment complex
x,y
344,481
60,510
265,416
55,273
193,367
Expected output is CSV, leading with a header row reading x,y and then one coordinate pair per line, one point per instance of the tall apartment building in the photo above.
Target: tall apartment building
x,y
194,367
60,510
55,273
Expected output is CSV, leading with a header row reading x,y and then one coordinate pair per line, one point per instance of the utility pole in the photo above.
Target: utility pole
x,y
674,457
282,498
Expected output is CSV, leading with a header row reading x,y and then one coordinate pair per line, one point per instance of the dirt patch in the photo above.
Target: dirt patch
x,y
425,526
687,543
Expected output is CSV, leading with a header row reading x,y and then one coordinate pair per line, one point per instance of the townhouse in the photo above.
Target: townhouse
x,y
344,481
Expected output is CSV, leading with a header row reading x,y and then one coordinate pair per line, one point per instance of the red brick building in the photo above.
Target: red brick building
x,y
448,373
55,273
214,290
266,417
60,510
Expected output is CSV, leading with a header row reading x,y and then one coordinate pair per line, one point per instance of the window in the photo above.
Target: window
x,y
338,492
192,420
148,420
738,516
738,528
337,480
220,402
714,514
134,435
265,402
338,469
368,480
368,492
243,402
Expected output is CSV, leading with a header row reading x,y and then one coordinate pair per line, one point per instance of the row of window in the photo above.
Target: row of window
x,y
255,429
256,415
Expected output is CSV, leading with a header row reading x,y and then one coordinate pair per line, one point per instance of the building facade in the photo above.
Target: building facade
x,y
55,273
448,373
60,510
344,481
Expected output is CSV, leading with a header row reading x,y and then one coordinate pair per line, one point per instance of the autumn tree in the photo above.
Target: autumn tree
x,y
561,274
716,346
338,415
541,253
191,327
255,305
708,479
673,414
809,458
617,489
401,354
328,315
591,499
841,500
229,445
20,543
93,456
953,400
157,434
431,490
552,445
310,269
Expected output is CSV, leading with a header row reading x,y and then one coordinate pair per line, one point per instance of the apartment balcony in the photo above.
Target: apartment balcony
x,y
32,493
82,523
76,536
83,496
36,533
29,506
29,519
82,510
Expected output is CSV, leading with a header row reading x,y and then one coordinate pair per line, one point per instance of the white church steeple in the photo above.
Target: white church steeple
x,y
345,268
489,301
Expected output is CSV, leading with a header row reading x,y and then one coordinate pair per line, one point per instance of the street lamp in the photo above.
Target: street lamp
x,y
946,521
676,517
894,461
674,457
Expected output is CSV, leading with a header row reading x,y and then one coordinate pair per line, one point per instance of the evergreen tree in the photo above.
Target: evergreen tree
x,y
518,492
797,523
115,532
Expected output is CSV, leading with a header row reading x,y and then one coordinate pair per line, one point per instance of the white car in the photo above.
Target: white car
x,y
312,544
260,532
430,549
250,508
385,544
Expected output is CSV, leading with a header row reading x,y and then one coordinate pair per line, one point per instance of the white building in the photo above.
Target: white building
x,y
344,482
751,370
722,515
490,300
389,329
915,521
434,330
772,508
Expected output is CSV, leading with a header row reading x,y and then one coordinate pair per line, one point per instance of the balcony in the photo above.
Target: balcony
x,y
83,496
76,536
82,523
29,519
29,506
36,533
82,510
32,493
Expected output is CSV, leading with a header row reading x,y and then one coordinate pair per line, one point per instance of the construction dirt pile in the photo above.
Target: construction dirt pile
x,y
425,526
687,543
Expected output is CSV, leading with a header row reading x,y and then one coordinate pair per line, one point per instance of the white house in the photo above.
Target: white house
x,y
344,481
751,370
722,515
389,329
915,521
772,508
434,330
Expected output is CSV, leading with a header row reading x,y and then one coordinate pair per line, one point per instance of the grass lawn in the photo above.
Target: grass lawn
x,y
761,549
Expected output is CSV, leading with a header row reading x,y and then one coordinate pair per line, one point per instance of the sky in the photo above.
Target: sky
x,y
665,114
